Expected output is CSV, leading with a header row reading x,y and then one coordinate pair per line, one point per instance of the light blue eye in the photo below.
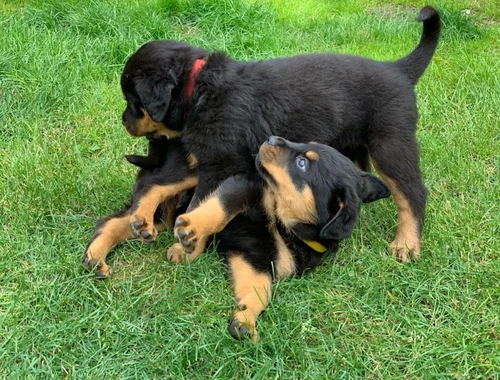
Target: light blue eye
x,y
301,163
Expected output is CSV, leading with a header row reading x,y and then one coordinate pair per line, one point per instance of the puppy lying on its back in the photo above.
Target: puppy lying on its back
x,y
307,198
164,171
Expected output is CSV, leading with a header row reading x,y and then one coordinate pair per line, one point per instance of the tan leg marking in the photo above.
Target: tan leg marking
x,y
177,254
285,264
169,211
192,161
253,293
407,242
113,232
141,221
205,220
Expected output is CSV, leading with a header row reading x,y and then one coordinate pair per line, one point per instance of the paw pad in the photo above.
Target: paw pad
x,y
185,234
140,230
238,330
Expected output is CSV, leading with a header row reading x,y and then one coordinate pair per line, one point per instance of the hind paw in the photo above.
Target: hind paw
x,y
143,229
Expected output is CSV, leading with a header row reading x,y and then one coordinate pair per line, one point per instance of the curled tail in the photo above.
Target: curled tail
x,y
415,63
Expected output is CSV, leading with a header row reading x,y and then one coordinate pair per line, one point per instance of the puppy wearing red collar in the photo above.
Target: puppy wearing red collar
x,y
223,109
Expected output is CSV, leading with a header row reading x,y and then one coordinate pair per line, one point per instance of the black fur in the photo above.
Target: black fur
x,y
333,180
357,105
165,163
278,245
252,233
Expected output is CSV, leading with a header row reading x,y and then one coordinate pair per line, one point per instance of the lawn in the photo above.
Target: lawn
x,y
360,315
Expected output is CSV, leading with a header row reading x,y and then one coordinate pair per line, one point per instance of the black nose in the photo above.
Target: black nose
x,y
275,141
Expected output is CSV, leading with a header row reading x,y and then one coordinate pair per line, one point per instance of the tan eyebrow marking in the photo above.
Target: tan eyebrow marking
x,y
312,155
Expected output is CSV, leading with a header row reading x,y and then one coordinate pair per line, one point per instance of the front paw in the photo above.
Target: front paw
x,y
99,267
143,229
404,250
185,233
240,331
176,254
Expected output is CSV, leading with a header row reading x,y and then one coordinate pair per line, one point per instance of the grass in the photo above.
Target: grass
x,y
361,315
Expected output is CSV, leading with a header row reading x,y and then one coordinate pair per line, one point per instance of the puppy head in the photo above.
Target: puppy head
x,y
153,82
317,191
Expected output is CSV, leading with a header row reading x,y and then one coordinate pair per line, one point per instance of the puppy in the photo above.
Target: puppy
x,y
162,191
306,200
223,109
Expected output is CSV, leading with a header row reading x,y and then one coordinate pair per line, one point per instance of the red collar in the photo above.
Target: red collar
x,y
198,64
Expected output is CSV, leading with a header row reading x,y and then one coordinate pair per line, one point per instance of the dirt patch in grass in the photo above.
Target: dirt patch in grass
x,y
188,30
394,11
480,17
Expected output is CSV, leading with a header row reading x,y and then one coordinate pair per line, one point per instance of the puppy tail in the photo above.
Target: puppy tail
x,y
144,162
415,63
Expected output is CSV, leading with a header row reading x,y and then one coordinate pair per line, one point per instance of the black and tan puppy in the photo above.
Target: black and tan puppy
x,y
224,109
309,200
163,190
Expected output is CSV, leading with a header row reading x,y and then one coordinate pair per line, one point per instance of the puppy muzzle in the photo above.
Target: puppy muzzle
x,y
267,153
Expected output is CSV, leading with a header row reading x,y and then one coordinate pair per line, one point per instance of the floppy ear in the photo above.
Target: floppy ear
x,y
343,222
155,96
306,231
372,188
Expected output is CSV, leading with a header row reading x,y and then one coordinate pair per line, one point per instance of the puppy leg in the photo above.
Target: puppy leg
x,y
192,229
115,229
108,233
145,203
397,164
177,254
252,289
360,158
207,219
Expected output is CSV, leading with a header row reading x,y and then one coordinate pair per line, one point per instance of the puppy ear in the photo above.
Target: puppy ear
x,y
155,96
372,188
306,231
343,222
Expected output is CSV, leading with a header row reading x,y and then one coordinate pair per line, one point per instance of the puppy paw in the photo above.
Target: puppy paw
x,y
404,251
240,330
185,233
143,229
176,254
99,267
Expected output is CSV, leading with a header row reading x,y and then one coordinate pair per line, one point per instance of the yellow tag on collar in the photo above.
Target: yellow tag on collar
x,y
317,246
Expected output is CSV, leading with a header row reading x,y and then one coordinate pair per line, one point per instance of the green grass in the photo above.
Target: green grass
x,y
361,315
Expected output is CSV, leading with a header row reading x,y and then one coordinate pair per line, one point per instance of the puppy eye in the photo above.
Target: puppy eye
x,y
302,163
